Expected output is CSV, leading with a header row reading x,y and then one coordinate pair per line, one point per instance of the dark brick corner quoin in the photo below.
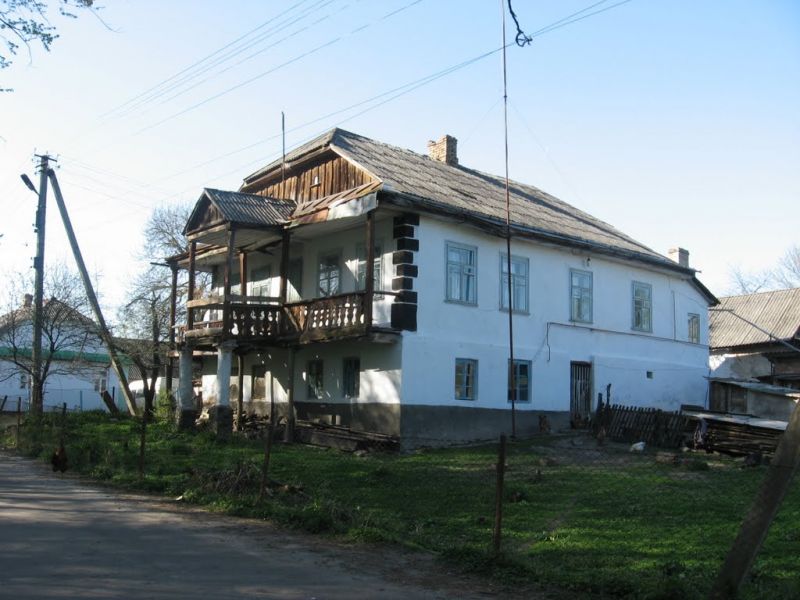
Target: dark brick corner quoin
x,y
404,308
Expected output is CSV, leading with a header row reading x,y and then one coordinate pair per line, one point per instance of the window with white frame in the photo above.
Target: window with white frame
x,y
261,281
519,283
361,267
642,306
23,381
520,391
101,382
351,375
694,328
466,376
461,273
314,380
330,274
581,293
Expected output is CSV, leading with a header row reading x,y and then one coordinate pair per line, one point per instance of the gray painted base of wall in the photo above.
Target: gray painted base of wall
x,y
445,425
420,426
220,420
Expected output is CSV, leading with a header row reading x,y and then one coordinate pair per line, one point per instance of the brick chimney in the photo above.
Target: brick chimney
x,y
444,150
27,300
680,256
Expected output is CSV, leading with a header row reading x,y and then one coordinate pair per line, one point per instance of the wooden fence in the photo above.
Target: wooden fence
x,y
636,424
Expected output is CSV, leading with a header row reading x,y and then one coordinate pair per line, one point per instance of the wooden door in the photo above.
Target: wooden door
x,y
580,400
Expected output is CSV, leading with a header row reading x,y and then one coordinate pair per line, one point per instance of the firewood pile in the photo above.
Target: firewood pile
x,y
736,438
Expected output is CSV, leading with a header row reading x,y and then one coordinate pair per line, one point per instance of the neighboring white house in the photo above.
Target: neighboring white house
x,y
80,369
417,345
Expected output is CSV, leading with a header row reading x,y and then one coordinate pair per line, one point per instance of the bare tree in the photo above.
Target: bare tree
x,y
144,321
67,334
787,274
23,22
748,282
144,330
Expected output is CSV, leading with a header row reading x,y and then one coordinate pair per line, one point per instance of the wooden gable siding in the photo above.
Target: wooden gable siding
x,y
334,173
206,216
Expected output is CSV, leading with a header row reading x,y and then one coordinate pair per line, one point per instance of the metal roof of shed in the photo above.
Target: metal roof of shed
x,y
778,312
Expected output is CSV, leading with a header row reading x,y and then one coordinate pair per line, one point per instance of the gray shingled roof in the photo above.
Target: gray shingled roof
x,y
249,209
778,312
465,190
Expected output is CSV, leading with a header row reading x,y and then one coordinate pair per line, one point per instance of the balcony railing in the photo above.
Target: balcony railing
x,y
258,318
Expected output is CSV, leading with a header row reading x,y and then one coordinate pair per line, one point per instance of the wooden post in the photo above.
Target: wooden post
x,y
19,418
240,391
290,421
92,297
226,294
498,497
190,291
284,274
765,506
243,273
3,405
142,443
369,273
173,309
268,441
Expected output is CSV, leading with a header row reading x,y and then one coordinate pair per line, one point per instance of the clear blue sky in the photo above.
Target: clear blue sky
x,y
677,122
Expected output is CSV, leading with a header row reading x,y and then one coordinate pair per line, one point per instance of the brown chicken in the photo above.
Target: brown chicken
x,y
59,459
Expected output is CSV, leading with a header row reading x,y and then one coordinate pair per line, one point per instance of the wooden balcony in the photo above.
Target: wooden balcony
x,y
259,319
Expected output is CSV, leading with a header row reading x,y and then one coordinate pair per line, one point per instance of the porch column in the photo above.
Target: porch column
x,y
284,274
369,273
226,298
243,273
185,413
190,291
220,415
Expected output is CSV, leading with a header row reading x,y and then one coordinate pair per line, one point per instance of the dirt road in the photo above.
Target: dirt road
x,y
63,538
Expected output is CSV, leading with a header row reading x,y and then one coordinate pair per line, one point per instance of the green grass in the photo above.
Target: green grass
x,y
581,519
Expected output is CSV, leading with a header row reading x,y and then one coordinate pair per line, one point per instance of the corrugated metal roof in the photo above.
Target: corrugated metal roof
x,y
249,209
469,191
778,312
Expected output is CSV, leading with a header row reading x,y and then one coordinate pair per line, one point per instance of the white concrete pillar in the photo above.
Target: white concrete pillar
x,y
185,391
222,385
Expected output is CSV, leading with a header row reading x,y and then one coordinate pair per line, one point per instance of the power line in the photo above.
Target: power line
x,y
388,96
187,78
202,60
272,70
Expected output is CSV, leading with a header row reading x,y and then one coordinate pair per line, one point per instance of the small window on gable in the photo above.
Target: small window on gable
x,y
581,295
461,274
519,283
351,374
694,328
642,306
466,375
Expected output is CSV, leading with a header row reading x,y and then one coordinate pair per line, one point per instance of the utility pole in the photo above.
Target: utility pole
x,y
37,395
87,284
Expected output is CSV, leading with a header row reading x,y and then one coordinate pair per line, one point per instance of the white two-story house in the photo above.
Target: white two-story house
x,y
367,285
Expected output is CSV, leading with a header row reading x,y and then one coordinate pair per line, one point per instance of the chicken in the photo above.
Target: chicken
x,y
59,459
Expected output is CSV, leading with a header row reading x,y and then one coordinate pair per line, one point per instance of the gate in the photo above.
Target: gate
x,y
580,397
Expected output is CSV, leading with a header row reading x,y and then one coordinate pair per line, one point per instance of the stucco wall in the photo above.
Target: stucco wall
x,y
545,336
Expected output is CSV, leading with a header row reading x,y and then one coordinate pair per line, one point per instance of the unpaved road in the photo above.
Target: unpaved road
x,y
63,538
